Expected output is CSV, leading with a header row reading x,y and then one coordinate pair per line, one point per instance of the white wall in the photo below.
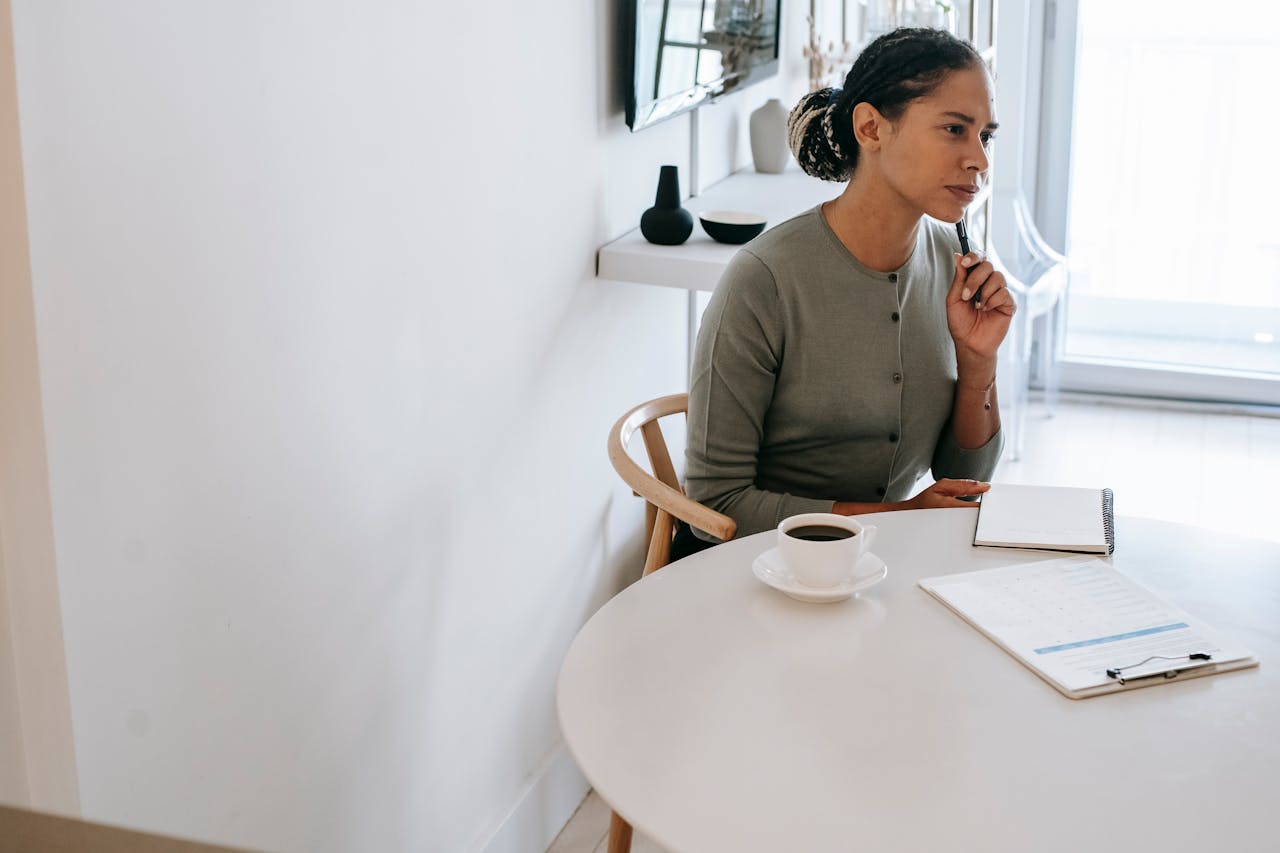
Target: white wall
x,y
326,379
15,290
37,758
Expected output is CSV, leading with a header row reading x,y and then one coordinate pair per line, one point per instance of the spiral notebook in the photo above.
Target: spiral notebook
x,y
1047,518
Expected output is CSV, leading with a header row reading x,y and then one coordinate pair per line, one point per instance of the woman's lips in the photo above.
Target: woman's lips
x,y
964,194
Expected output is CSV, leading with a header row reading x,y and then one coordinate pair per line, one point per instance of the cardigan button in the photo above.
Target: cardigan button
x,y
880,491
897,378
893,276
893,436
895,316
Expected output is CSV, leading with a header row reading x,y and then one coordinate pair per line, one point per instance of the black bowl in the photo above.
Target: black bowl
x,y
731,226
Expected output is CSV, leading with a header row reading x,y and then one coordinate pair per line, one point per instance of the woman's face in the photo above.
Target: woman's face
x,y
936,155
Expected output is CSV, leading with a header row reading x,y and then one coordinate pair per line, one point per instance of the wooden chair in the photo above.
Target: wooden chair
x,y
665,501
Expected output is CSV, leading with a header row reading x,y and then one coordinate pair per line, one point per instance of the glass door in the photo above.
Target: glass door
x,y
1172,226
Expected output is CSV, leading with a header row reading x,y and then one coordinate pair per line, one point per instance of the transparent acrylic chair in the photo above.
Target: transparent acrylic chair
x,y
1038,277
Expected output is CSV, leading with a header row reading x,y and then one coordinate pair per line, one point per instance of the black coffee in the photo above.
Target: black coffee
x,y
820,533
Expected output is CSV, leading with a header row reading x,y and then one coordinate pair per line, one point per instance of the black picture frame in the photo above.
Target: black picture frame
x,y
643,109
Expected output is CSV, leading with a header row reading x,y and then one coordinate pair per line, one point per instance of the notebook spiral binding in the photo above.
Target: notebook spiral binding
x,y
1109,519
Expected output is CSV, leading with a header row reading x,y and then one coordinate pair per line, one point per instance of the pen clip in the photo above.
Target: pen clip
x,y
1117,672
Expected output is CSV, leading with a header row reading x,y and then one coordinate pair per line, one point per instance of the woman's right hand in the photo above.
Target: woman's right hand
x,y
946,493
943,493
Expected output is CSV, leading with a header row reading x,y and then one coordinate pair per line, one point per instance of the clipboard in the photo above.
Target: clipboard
x,y
1085,628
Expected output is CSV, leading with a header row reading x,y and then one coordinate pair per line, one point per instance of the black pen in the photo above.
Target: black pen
x,y
964,250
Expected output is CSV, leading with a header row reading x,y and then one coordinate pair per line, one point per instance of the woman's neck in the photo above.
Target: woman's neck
x,y
874,224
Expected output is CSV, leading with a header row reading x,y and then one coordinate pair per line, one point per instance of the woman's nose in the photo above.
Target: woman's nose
x,y
978,159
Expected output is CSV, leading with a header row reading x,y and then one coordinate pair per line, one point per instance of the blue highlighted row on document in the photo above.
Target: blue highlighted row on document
x,y
1114,638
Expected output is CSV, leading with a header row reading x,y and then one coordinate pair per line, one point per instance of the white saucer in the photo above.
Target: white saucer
x,y
769,568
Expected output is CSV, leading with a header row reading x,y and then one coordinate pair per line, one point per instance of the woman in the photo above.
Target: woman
x,y
852,348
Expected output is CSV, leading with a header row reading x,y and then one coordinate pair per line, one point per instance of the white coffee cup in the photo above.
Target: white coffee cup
x,y
821,559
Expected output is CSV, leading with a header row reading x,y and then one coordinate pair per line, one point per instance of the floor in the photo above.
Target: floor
x,y
1189,465
1192,466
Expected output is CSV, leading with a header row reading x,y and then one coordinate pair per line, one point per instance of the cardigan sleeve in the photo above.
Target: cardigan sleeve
x,y
950,460
735,365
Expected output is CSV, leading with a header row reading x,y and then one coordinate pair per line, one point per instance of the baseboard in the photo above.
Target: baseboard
x,y
1166,403
542,809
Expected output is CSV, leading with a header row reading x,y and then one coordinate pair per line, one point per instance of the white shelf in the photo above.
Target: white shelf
x,y
698,263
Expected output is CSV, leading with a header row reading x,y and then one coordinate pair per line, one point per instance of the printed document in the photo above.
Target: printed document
x,y
1072,619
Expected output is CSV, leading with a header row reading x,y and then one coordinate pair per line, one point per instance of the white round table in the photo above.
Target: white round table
x,y
716,714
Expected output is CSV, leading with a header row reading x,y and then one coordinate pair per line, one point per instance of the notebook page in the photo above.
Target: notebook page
x,y
1041,517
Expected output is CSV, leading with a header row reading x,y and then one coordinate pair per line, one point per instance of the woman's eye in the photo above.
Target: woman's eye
x,y
988,138
955,129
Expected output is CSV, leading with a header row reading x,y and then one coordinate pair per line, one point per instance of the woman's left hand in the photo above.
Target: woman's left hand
x,y
978,327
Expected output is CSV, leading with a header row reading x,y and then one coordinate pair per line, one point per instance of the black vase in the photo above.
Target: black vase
x,y
667,223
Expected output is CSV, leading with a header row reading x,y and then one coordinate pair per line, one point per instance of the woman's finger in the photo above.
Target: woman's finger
x,y
977,280
994,291
960,275
954,488
1003,302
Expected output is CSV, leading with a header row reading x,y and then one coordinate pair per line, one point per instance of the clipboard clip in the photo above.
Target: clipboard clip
x,y
1118,672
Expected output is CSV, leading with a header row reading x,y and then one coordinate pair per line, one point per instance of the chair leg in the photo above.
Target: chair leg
x,y
1055,333
619,834
1013,415
660,544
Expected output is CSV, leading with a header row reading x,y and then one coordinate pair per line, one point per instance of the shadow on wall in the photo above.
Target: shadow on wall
x,y
623,560
610,54
343,815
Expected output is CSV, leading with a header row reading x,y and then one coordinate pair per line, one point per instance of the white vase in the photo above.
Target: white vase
x,y
768,127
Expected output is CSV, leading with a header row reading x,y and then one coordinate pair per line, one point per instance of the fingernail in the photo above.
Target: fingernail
x,y
965,294
968,261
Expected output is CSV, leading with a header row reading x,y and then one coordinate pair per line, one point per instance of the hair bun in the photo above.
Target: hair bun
x,y
812,141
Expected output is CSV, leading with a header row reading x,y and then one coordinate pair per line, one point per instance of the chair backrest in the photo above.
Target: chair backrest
x,y
1040,270
665,498
1037,250
1036,274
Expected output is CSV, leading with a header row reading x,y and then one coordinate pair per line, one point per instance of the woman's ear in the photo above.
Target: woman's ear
x,y
869,126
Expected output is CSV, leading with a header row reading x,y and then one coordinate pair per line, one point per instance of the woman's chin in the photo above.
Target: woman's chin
x,y
947,211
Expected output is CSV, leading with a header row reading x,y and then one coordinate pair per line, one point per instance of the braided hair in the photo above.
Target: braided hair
x,y
892,71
